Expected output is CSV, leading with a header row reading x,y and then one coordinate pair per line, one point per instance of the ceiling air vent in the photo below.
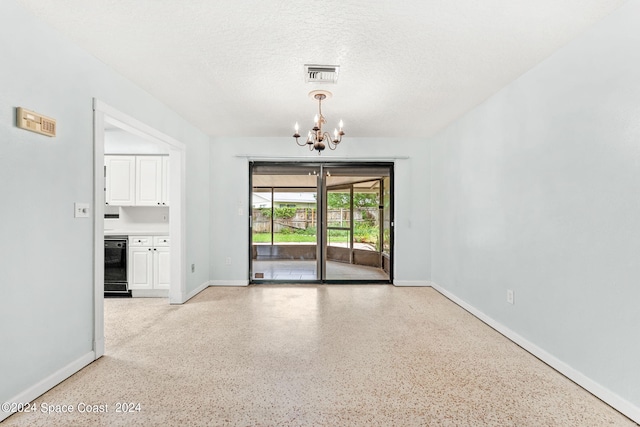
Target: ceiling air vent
x,y
321,73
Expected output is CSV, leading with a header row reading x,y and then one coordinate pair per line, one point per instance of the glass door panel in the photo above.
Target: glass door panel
x,y
284,224
354,219
338,213
261,212
367,231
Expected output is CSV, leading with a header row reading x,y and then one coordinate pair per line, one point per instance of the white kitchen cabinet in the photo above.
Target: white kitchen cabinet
x,y
149,181
136,241
140,268
161,270
120,180
161,262
137,180
149,263
165,181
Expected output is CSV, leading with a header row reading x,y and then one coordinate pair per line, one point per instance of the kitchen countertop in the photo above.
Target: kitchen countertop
x,y
120,232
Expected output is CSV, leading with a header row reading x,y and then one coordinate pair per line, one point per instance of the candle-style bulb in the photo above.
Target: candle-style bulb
x,y
296,127
335,133
340,124
315,119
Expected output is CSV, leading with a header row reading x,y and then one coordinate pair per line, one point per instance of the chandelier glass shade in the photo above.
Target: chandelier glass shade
x,y
317,138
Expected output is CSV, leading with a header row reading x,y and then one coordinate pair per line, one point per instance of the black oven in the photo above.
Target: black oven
x,y
115,266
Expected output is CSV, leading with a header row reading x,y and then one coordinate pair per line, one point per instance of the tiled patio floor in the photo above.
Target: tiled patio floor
x,y
297,270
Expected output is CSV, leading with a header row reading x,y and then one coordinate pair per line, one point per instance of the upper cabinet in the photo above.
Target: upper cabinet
x,y
119,180
148,181
165,180
136,180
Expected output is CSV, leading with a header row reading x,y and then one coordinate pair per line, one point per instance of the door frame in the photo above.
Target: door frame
x,y
321,237
102,114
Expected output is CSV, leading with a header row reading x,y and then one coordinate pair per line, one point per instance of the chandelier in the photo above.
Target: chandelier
x,y
316,137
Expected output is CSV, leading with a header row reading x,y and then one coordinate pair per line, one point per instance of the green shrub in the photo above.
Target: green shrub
x,y
310,231
266,212
284,213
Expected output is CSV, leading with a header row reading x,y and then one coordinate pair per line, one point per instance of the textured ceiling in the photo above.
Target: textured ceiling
x,y
235,67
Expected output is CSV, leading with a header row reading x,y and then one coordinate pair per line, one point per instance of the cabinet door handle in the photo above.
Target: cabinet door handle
x,y
149,248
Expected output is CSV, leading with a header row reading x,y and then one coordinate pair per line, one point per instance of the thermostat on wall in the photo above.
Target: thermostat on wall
x,y
35,122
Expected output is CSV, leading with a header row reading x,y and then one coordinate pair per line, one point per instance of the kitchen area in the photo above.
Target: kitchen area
x,y
136,216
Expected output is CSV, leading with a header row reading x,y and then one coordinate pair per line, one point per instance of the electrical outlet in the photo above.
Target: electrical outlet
x,y
510,296
227,261
193,268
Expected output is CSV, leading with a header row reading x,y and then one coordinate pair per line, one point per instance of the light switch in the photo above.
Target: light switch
x,y
81,210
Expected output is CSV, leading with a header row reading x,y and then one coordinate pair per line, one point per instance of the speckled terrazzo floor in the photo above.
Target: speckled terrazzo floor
x,y
315,355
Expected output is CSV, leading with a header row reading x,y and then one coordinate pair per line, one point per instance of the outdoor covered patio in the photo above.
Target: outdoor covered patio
x,y
326,222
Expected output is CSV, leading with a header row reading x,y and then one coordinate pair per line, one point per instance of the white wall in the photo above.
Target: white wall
x,y
538,190
230,190
138,218
119,141
46,256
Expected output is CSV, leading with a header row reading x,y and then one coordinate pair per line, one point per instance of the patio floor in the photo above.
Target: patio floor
x,y
297,270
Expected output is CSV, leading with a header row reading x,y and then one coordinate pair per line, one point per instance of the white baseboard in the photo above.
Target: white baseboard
x,y
150,293
49,382
183,297
177,297
419,283
197,290
228,282
620,404
98,348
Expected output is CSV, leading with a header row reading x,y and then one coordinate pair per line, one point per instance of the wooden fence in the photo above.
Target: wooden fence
x,y
305,218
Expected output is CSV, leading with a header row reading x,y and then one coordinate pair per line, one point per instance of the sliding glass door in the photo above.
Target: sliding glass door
x,y
322,222
354,213
284,223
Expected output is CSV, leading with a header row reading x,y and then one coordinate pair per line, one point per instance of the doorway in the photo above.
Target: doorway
x,y
321,222
106,117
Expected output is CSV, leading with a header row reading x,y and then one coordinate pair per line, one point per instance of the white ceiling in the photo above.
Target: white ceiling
x,y
235,67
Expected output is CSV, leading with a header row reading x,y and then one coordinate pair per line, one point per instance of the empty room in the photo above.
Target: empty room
x,y
337,213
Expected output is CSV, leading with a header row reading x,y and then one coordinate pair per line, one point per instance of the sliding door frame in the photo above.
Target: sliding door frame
x,y
321,191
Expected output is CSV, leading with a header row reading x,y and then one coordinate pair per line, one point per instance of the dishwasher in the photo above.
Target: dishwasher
x,y
115,266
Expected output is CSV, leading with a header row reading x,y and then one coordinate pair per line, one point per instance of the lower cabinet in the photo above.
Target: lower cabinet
x,y
149,262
